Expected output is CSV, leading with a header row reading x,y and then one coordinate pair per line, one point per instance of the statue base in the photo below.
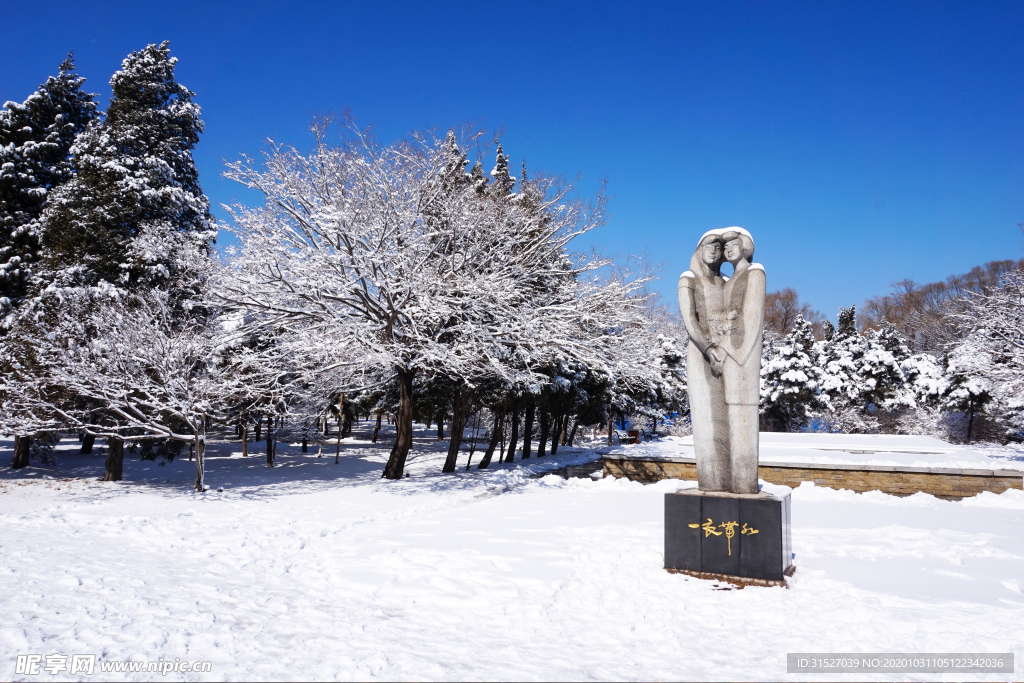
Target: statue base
x,y
737,581
739,538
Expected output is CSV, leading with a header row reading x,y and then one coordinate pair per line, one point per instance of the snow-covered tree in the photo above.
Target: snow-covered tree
x,y
880,371
862,374
135,186
791,383
125,367
648,375
35,143
970,389
838,356
395,257
986,366
125,247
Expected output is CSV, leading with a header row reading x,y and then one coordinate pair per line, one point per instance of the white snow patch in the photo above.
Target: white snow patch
x,y
314,570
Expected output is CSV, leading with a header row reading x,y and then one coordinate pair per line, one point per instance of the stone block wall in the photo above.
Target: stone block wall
x,y
941,482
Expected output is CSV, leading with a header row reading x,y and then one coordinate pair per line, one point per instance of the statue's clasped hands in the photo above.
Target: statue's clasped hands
x,y
716,358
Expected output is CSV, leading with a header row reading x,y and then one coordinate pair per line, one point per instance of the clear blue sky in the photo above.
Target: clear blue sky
x,y
861,143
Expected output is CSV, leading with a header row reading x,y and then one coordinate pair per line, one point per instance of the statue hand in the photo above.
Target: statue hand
x,y
716,358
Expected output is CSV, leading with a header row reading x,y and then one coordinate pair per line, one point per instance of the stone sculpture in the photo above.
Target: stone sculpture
x,y
726,529
724,317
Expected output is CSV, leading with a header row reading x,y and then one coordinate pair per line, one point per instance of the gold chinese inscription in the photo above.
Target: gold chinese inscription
x,y
710,527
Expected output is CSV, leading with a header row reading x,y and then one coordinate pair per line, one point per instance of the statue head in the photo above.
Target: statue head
x,y
711,252
708,258
739,246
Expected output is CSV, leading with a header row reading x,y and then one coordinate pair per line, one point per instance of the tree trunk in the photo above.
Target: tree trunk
x,y
572,434
611,425
499,428
472,447
513,438
460,413
440,426
245,435
376,430
21,450
201,457
556,437
527,430
87,443
970,418
270,440
259,426
114,466
403,428
278,423
337,444
305,446
545,430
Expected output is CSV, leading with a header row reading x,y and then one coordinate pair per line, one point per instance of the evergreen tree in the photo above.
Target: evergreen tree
x,y
790,381
35,142
503,180
892,341
968,392
925,378
477,177
134,210
881,378
839,357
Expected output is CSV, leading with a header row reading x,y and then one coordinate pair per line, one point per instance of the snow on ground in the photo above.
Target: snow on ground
x,y
864,449
313,570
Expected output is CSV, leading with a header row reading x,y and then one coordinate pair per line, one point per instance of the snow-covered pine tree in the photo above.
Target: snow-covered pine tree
x,y
883,384
35,144
135,202
925,377
969,391
838,356
35,141
790,380
503,180
127,233
924,384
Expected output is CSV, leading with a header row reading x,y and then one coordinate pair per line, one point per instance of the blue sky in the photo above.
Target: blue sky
x,y
861,143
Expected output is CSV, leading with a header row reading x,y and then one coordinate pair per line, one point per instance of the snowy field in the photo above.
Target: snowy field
x,y
863,449
313,570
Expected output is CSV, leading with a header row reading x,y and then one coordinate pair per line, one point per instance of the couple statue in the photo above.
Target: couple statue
x,y
724,317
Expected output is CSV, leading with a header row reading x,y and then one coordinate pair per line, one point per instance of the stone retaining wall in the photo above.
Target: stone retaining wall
x,y
942,482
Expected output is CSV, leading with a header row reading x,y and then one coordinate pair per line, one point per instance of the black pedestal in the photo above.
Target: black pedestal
x,y
728,535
